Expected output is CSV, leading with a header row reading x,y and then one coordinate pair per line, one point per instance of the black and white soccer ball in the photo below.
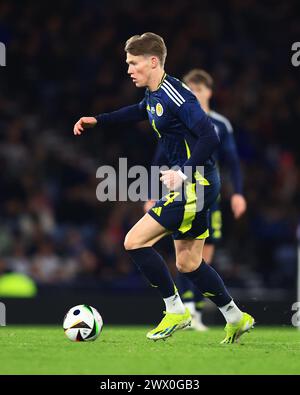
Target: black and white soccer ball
x,y
82,323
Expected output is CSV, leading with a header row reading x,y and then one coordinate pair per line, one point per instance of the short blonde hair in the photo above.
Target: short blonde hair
x,y
147,44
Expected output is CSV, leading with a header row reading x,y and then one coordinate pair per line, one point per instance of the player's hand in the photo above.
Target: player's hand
x,y
171,179
238,205
148,205
84,123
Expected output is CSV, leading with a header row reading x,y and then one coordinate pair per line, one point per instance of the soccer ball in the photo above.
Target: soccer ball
x,y
82,323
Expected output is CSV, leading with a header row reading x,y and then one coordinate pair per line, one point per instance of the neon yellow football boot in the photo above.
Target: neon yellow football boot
x,y
169,324
235,331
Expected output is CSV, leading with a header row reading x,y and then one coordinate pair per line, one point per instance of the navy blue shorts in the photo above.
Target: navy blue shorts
x,y
186,213
215,223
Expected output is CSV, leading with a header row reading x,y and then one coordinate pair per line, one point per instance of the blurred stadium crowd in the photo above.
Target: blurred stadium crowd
x,y
67,60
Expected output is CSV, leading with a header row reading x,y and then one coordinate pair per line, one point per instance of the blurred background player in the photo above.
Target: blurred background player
x,y
201,84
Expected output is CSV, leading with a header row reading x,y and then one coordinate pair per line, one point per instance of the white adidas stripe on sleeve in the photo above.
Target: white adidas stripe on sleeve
x,y
175,91
171,96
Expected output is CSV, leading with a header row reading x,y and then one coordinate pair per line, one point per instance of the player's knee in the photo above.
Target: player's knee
x,y
186,263
181,266
182,263
131,242
128,243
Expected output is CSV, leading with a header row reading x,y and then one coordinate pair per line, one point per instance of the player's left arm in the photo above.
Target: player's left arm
x,y
231,159
159,159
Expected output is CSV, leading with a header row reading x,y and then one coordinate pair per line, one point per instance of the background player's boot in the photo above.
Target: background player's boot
x,y
198,326
169,324
235,331
197,323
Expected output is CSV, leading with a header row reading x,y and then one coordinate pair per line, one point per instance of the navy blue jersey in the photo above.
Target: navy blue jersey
x,y
186,135
227,151
177,118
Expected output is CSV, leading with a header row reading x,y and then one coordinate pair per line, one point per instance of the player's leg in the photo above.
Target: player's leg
x,y
215,234
189,261
138,242
186,291
199,299
191,296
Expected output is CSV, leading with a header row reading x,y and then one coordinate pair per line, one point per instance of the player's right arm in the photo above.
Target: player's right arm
x,y
159,159
136,112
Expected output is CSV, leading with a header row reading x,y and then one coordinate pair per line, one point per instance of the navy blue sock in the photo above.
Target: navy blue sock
x,y
199,300
154,268
186,287
210,284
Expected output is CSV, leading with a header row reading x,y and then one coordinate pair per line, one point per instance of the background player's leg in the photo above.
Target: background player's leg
x,y
208,253
189,260
138,242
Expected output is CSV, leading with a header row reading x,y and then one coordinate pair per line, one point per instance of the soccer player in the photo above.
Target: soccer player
x,y
188,138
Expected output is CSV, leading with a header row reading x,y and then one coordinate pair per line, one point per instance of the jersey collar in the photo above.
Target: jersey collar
x,y
162,80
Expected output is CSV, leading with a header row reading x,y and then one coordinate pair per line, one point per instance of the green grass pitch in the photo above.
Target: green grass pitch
x,y
125,350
